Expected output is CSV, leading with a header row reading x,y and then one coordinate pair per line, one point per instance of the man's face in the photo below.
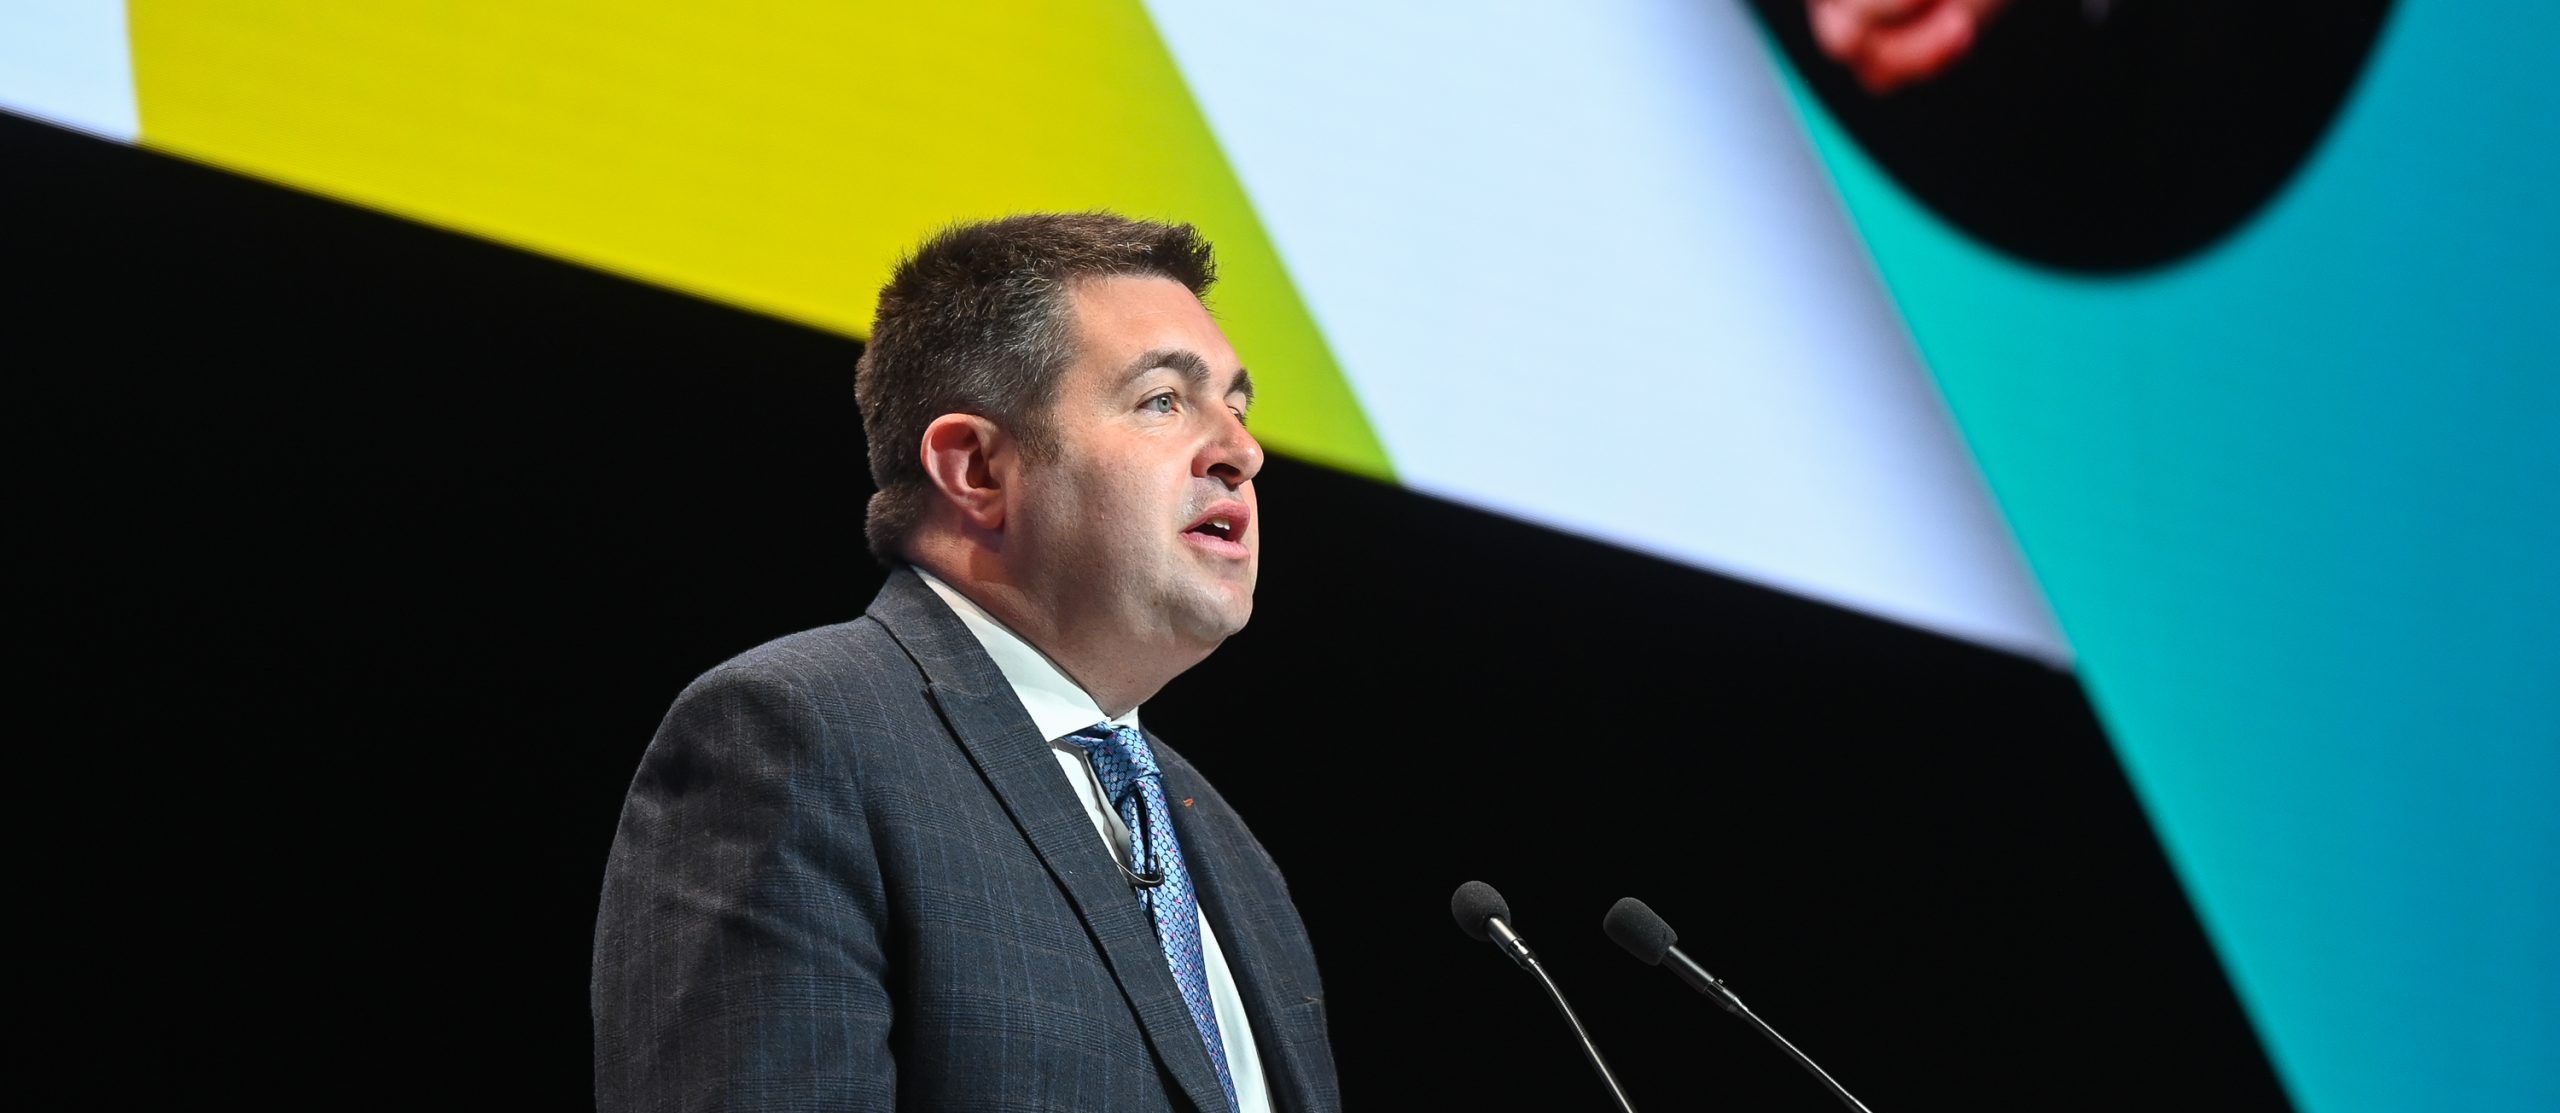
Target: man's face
x,y
1143,531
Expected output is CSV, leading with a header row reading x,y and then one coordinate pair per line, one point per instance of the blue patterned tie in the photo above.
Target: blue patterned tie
x,y
1136,787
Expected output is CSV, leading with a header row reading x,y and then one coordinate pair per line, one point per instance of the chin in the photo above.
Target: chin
x,y
1215,628
1212,617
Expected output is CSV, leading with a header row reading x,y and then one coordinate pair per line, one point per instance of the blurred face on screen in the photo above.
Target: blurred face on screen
x,y
1142,535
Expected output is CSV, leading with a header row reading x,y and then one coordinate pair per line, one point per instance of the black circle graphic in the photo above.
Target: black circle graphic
x,y
2107,137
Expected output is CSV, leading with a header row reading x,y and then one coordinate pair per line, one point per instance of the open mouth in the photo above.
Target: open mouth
x,y
1223,523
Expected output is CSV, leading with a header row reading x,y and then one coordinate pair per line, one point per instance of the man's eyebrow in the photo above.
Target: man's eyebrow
x,y
1193,369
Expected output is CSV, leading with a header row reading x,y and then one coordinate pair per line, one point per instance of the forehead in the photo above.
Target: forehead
x,y
1122,317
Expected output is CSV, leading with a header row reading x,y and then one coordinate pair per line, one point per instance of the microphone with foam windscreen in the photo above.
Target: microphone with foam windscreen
x,y
1485,916
1633,926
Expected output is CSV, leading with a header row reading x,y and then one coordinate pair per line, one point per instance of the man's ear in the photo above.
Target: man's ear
x,y
968,459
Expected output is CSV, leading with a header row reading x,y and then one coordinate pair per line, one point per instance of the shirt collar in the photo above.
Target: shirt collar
x,y
1057,705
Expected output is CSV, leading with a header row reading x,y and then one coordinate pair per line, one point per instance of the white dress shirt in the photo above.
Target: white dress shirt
x,y
1059,707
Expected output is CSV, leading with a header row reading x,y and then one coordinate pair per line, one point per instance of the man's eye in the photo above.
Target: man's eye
x,y
1162,403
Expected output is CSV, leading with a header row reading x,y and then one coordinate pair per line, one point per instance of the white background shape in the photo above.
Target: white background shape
x,y
1582,266
69,62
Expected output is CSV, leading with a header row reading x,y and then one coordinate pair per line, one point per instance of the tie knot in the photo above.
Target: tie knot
x,y
1120,756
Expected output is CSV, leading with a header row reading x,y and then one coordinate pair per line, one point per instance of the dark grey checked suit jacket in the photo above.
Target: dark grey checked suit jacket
x,y
849,876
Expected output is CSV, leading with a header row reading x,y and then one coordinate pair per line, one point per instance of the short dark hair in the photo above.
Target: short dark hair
x,y
978,321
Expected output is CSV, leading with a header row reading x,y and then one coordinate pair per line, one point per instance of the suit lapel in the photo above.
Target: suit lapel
x,y
988,722
1224,867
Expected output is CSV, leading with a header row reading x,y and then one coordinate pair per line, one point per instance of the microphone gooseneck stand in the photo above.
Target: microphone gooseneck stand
x,y
1483,915
1530,963
1636,928
1733,1004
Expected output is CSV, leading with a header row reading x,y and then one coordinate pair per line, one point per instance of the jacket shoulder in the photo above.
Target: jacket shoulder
x,y
853,661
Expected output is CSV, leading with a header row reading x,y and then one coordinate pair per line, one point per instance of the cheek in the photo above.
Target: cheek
x,y
1115,507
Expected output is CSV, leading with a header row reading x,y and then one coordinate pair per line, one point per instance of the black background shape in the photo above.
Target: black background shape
x,y
2111,144
366,557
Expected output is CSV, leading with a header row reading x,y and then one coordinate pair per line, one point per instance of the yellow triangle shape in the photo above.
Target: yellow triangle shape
x,y
777,157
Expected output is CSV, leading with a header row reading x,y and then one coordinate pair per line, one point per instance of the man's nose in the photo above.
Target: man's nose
x,y
1231,456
